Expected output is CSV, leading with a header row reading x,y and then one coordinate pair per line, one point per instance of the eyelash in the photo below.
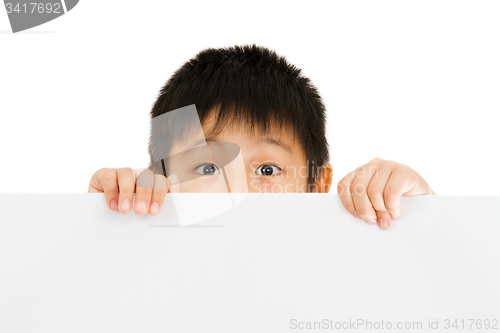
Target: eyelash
x,y
217,171
271,165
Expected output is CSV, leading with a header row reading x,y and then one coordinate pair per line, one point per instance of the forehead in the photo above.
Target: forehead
x,y
243,134
273,139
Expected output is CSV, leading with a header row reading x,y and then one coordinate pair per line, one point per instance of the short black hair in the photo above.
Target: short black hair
x,y
253,84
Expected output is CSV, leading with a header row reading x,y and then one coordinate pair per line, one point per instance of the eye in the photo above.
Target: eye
x,y
207,169
268,170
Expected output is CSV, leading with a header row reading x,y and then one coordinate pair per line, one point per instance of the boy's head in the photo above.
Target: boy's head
x,y
250,96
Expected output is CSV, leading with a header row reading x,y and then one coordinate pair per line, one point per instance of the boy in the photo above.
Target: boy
x,y
250,97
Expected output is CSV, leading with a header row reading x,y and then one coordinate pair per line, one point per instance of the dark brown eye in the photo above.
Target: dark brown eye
x,y
267,170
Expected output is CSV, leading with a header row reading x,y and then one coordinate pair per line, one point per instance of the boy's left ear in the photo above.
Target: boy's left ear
x,y
324,182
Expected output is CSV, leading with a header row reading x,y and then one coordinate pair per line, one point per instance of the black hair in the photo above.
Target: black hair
x,y
251,84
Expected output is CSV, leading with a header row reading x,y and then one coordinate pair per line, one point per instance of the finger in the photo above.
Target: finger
x,y
126,186
375,193
376,188
396,186
92,188
416,184
360,198
344,191
159,192
384,220
104,180
143,191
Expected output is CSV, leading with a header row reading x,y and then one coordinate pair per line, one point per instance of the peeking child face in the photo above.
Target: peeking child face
x,y
250,102
237,158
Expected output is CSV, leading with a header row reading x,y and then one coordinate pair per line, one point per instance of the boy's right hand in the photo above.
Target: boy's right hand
x,y
120,184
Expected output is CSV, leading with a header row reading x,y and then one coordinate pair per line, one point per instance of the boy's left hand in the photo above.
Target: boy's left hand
x,y
372,191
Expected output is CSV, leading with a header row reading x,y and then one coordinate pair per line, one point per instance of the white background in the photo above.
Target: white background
x,y
415,82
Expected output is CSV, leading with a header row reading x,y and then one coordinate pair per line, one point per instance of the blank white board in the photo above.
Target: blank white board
x,y
274,263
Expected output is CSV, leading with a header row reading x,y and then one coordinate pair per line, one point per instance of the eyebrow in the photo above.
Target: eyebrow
x,y
278,144
273,142
202,142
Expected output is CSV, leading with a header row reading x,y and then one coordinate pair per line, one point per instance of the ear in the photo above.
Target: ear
x,y
324,182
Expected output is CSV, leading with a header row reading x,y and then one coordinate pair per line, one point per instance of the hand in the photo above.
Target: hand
x,y
119,186
372,191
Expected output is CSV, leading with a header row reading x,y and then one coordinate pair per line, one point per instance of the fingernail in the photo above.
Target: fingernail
x,y
154,208
372,220
126,204
384,224
394,216
357,215
114,204
141,206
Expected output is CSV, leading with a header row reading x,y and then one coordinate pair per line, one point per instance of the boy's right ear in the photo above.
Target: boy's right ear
x,y
324,182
